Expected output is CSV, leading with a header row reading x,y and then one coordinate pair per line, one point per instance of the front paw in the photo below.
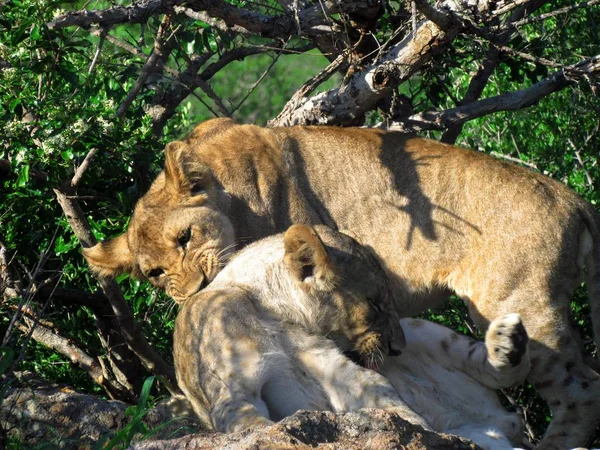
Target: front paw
x,y
506,341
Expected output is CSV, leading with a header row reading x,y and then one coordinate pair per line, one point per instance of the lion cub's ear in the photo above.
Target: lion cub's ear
x,y
185,173
306,257
111,257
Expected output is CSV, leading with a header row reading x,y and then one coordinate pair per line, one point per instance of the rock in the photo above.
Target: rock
x,y
57,415
368,429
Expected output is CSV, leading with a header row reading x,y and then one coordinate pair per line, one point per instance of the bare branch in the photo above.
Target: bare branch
x,y
83,167
103,34
260,79
508,101
554,13
515,160
216,23
307,88
347,104
129,327
138,12
160,53
509,5
51,339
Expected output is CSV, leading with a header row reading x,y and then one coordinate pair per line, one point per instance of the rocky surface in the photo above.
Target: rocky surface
x,y
62,418
58,417
368,429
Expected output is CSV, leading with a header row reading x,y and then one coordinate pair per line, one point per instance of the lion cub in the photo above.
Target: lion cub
x,y
251,347
332,274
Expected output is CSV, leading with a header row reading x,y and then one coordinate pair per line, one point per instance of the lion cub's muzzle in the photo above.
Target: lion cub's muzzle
x,y
181,289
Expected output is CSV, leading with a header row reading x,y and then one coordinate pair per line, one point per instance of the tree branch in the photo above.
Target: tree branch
x,y
136,13
487,68
159,54
51,339
130,329
347,105
505,102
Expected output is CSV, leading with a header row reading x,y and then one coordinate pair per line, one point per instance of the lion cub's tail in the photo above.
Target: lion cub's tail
x,y
589,248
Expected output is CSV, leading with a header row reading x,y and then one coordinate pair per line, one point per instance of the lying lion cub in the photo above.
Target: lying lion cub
x,y
249,348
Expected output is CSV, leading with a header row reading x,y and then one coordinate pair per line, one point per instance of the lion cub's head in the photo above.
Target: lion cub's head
x,y
350,286
179,236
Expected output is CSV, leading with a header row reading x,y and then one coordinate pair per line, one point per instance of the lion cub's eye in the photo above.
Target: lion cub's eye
x,y
197,189
155,273
185,237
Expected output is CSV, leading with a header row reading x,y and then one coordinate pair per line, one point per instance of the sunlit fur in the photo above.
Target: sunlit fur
x,y
440,219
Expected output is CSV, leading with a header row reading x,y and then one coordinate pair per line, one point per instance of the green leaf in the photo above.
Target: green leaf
x,y
13,104
23,178
35,33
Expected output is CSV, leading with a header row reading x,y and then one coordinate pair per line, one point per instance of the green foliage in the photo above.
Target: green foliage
x,y
53,113
123,437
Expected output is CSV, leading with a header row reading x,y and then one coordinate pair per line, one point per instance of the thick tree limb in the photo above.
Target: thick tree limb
x,y
347,104
138,12
281,26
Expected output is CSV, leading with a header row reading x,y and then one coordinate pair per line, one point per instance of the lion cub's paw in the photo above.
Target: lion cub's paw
x,y
506,341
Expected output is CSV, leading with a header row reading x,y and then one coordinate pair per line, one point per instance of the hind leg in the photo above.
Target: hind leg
x,y
558,368
572,390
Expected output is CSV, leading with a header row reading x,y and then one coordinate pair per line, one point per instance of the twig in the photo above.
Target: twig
x,y
160,53
554,13
307,88
260,79
590,181
515,160
213,96
103,34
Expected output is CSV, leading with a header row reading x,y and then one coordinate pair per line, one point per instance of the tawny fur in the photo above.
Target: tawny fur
x,y
440,219
243,360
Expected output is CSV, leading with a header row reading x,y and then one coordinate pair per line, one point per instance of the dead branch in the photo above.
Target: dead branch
x,y
217,23
128,326
505,102
346,105
556,12
136,13
50,338
307,88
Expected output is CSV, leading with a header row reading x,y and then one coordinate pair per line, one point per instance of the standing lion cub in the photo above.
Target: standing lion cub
x,y
440,219
250,347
